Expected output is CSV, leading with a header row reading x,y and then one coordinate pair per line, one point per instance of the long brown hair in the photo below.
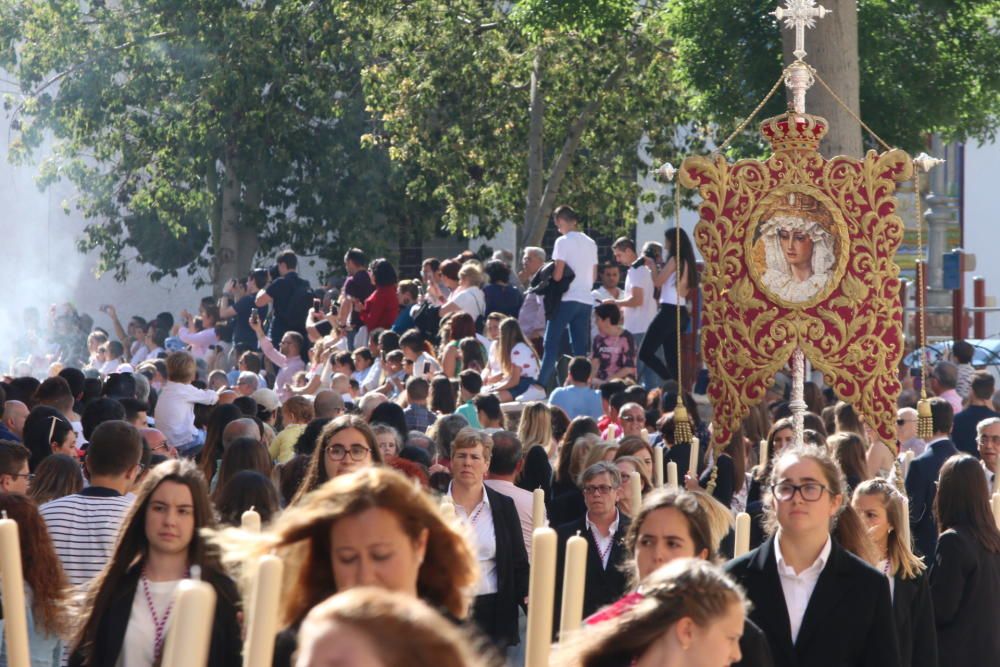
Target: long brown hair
x,y
510,336
133,545
683,588
578,427
901,557
56,476
963,501
301,537
219,418
848,449
242,454
316,474
42,570
763,470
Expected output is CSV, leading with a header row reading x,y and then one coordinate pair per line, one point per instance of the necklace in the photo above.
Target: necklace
x,y
479,510
159,624
603,553
885,568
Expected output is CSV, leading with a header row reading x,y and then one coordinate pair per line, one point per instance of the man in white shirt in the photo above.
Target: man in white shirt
x,y
638,303
579,252
610,275
505,463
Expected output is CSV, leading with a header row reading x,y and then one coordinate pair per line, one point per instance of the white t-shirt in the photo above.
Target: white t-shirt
x,y
580,253
524,357
140,633
175,411
638,318
471,300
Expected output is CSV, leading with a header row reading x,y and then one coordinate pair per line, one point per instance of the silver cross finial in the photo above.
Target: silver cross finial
x,y
800,14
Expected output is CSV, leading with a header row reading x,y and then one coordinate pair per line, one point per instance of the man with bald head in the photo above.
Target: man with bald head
x,y
12,420
158,443
328,404
240,428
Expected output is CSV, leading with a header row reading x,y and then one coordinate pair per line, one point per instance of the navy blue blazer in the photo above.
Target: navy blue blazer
x,y
921,487
848,621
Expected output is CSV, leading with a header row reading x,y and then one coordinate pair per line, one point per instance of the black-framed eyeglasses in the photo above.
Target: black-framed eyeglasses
x,y
810,491
338,452
602,489
30,476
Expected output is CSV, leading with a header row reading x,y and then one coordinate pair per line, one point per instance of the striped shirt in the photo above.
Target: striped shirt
x,y
84,529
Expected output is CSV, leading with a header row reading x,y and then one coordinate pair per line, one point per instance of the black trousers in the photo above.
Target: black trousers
x,y
662,332
485,616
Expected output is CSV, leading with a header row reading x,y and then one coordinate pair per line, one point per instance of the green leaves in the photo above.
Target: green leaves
x,y
589,18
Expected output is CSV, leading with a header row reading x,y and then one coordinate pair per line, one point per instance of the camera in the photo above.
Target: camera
x,y
273,272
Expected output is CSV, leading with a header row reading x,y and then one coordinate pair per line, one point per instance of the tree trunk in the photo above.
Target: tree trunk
x,y
536,112
228,240
832,48
248,241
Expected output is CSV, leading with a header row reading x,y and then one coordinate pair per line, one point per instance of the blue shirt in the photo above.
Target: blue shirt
x,y
578,401
404,321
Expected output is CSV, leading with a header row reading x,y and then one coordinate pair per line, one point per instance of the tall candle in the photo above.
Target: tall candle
x,y
250,520
190,629
762,453
541,594
996,508
672,475
742,534
658,467
574,580
693,463
904,530
262,629
12,588
635,493
907,460
538,508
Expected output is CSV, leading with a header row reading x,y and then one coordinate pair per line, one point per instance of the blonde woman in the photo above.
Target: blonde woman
x,y
883,511
467,297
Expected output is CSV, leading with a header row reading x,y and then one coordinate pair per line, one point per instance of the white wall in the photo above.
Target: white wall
x,y
982,214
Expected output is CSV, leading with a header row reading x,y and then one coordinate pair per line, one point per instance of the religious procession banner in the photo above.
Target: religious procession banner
x,y
799,253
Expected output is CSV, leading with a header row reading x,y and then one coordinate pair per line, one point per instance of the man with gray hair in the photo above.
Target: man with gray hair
x,y
944,379
988,438
604,529
532,314
247,383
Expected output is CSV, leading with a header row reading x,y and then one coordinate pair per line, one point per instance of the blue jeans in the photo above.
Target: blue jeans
x,y
571,316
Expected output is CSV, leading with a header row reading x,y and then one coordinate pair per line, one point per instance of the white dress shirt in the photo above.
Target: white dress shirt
x,y
480,523
798,588
604,543
990,478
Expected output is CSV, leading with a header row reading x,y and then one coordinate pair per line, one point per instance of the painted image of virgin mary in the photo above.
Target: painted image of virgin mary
x,y
799,248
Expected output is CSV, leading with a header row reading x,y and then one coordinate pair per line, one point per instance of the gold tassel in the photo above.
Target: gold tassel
x,y
900,482
682,424
710,489
925,422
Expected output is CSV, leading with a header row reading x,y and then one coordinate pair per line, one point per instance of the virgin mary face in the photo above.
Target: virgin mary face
x,y
797,248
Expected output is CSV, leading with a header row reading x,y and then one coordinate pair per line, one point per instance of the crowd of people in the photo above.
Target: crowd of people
x,y
346,416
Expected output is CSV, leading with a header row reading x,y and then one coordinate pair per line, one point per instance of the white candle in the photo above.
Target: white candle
x,y
762,453
907,460
658,467
742,544
538,508
996,508
190,631
12,588
635,493
574,580
672,475
262,629
250,520
693,462
904,530
541,594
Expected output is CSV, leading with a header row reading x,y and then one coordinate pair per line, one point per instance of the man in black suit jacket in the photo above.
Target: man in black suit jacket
x,y
499,543
604,529
848,621
963,431
921,478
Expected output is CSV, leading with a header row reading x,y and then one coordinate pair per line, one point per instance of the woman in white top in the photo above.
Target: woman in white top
x,y
200,341
466,296
662,330
519,363
128,606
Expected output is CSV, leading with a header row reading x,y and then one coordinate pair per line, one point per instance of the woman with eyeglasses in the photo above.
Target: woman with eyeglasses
x,y
883,511
345,444
817,603
965,573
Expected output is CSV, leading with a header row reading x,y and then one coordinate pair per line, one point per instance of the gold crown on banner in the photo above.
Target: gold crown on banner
x,y
794,132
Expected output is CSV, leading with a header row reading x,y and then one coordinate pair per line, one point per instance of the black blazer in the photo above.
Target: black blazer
x,y
567,503
754,648
226,646
550,290
921,487
848,621
603,585
914,615
965,589
512,568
